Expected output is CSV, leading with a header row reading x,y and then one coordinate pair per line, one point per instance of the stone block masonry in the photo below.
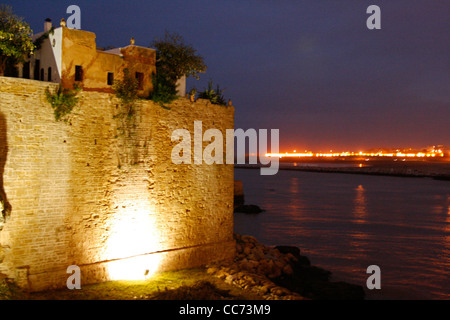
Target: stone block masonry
x,y
102,193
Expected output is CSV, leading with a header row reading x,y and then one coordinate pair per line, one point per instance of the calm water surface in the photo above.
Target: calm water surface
x,y
345,222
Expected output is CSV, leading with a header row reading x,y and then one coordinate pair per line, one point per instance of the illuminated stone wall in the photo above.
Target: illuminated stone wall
x,y
102,192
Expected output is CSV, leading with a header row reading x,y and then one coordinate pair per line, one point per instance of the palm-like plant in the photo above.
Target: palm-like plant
x,y
213,95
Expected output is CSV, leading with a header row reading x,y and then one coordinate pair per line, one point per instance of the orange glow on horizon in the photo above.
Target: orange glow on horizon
x,y
380,154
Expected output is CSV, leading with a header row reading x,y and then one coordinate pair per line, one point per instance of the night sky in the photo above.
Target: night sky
x,y
309,68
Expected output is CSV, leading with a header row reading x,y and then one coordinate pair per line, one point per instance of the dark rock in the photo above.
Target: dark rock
x,y
313,283
239,198
296,274
295,251
338,291
248,208
303,261
311,273
442,177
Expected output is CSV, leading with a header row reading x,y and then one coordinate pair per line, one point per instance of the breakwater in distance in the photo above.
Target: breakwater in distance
x,y
418,169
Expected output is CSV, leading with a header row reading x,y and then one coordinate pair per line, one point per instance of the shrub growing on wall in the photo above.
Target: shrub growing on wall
x,y
39,41
126,91
213,95
62,101
164,91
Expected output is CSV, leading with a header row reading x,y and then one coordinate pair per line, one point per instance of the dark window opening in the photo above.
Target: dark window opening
x,y
110,78
49,76
26,70
140,79
78,73
42,74
11,70
37,67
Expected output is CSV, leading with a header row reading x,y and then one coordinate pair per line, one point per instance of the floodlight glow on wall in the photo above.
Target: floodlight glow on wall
x,y
132,241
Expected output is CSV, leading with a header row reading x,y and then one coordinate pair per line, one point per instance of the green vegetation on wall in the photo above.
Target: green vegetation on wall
x,y
164,91
39,41
62,101
215,96
126,91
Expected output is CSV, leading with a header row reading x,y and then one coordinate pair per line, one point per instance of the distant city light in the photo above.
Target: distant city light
x,y
398,154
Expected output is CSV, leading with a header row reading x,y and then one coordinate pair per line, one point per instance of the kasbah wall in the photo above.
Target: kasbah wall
x,y
84,193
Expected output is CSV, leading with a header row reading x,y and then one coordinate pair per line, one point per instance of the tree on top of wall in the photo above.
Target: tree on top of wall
x,y
174,59
15,38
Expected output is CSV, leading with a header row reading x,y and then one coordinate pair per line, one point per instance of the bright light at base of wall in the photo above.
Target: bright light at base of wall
x,y
133,240
136,268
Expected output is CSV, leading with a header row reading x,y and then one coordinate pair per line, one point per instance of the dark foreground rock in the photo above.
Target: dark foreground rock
x,y
314,282
295,251
281,273
248,208
239,198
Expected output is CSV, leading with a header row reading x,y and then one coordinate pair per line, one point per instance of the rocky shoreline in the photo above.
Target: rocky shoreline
x,y
280,273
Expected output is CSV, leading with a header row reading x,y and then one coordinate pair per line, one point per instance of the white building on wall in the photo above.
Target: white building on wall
x,y
46,63
70,56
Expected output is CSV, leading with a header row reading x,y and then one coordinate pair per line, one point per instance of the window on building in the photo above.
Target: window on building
x,y
110,78
78,73
26,70
49,76
140,79
37,67
42,74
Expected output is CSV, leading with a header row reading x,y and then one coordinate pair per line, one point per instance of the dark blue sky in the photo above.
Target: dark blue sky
x,y
309,68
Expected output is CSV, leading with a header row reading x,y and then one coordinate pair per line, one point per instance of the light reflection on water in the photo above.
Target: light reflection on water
x,y
345,223
360,205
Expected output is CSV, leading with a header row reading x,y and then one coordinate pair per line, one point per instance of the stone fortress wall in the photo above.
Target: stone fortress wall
x,y
102,193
